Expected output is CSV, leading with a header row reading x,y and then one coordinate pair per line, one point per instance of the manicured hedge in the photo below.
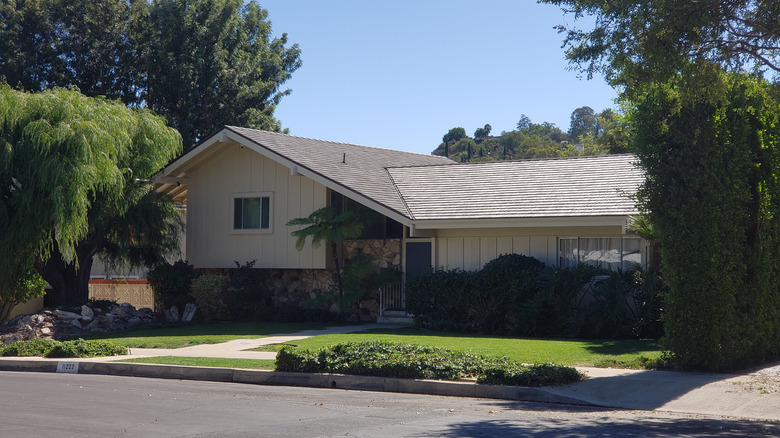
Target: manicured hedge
x,y
710,150
51,348
389,359
517,295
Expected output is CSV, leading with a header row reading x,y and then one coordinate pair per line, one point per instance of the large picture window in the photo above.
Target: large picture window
x,y
251,212
606,252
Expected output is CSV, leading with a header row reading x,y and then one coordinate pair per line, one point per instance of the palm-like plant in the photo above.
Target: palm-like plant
x,y
324,225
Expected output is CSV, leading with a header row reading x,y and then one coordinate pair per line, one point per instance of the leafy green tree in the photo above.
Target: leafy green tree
x,y
201,64
324,225
453,135
707,141
636,42
524,123
29,285
713,199
481,134
74,183
215,62
583,121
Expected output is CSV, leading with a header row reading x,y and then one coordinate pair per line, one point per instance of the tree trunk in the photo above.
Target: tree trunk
x,y
70,285
339,283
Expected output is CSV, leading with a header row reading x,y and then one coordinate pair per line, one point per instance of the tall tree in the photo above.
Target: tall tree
x,y
73,183
481,134
583,121
636,42
453,135
708,143
200,63
214,62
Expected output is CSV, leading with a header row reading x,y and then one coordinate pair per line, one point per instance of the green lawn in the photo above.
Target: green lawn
x,y
183,335
216,362
524,350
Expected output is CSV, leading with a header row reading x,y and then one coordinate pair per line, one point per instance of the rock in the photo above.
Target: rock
x,y
67,315
45,331
172,314
189,312
75,323
94,324
87,312
133,322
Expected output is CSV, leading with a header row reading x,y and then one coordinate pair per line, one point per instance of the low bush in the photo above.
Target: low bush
x,y
172,284
389,359
440,300
533,375
209,292
51,348
246,295
500,286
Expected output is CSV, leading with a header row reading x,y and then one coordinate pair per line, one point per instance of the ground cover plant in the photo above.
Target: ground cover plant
x,y
391,359
183,335
51,348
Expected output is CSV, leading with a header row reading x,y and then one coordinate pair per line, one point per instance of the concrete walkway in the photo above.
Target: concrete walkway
x,y
750,394
239,348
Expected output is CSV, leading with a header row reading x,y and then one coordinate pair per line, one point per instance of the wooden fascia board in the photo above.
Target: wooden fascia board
x,y
573,221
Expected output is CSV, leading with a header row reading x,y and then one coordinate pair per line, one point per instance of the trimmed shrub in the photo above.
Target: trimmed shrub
x,y
390,359
246,295
209,291
500,287
172,284
51,348
439,300
534,375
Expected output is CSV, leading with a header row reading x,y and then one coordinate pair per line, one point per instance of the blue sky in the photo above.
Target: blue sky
x,y
400,74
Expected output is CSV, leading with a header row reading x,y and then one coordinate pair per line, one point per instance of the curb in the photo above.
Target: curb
x,y
277,378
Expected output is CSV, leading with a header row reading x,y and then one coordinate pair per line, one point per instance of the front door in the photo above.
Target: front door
x,y
418,258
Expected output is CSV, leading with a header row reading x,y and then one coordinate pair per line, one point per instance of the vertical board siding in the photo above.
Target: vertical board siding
x,y
211,241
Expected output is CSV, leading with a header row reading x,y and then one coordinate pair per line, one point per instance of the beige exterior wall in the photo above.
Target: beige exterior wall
x,y
211,240
470,249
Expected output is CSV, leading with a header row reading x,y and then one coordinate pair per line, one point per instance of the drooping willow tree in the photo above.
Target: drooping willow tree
x,y
74,183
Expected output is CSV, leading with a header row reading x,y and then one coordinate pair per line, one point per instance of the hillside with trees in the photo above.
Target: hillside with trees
x,y
589,133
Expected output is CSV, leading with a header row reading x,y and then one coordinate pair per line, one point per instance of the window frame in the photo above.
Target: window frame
x,y
566,261
252,195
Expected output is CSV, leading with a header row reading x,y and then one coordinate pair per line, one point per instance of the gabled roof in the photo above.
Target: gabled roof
x,y
356,171
429,191
564,187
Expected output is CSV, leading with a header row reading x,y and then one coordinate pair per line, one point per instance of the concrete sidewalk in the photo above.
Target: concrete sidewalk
x,y
751,394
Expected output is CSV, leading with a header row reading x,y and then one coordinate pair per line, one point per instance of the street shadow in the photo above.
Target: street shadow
x,y
612,426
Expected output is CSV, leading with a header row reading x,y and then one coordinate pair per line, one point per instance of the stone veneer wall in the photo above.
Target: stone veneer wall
x,y
386,253
298,286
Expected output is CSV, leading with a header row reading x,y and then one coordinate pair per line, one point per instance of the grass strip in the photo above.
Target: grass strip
x,y
188,334
212,362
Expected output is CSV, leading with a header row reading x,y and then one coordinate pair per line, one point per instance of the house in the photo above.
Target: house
x,y
241,186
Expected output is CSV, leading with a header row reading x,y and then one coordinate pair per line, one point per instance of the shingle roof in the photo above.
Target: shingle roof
x,y
358,168
420,187
565,187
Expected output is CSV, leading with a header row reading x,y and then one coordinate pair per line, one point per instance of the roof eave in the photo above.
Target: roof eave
x,y
528,222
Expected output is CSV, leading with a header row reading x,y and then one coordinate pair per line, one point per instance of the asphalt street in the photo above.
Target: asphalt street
x,y
76,405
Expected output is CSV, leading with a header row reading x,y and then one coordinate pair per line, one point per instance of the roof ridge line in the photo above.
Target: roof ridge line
x,y
400,196
332,141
